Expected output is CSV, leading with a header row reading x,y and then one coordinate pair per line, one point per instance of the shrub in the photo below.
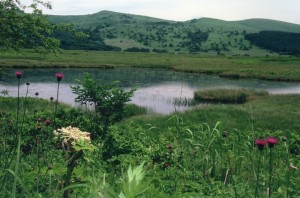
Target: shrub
x,y
108,99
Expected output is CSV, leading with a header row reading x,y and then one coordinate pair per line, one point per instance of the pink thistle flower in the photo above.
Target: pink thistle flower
x,y
18,74
47,122
169,146
39,127
272,141
260,143
59,76
39,119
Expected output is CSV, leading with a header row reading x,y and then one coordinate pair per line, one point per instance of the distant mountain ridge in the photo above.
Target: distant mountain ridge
x,y
134,32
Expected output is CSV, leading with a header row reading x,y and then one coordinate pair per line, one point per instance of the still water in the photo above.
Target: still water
x,y
158,90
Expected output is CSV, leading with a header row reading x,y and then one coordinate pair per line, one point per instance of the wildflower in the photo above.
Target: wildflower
x,y
39,119
71,136
39,127
272,141
59,76
36,93
260,143
18,74
169,146
47,122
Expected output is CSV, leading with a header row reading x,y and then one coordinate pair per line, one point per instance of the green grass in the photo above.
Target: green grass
x,y
269,68
181,155
267,112
264,113
9,104
236,96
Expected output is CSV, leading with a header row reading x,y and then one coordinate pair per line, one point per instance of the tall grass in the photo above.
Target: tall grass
x,y
236,96
269,68
206,152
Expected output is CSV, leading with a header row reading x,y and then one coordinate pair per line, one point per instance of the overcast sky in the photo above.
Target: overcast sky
x,y
182,10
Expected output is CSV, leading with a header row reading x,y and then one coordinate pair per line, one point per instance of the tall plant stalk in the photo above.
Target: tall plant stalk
x,y
257,175
18,75
59,77
56,103
270,172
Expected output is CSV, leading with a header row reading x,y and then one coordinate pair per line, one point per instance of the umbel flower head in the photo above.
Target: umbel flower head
x,y
71,137
59,76
260,143
18,74
272,141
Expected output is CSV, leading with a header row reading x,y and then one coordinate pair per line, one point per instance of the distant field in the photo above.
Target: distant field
x,y
270,68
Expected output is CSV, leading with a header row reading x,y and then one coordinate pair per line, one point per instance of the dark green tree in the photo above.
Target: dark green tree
x,y
19,29
108,99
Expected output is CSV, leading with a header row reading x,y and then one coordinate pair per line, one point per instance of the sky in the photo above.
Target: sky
x,y
183,10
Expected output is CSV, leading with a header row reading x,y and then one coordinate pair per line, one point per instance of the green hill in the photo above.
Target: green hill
x,y
205,35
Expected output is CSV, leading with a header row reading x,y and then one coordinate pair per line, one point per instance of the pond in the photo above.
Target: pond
x,y
158,90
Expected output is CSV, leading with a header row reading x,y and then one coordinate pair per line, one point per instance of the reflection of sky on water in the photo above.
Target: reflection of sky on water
x,y
157,89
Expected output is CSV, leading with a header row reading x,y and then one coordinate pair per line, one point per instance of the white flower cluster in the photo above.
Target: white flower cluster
x,y
70,136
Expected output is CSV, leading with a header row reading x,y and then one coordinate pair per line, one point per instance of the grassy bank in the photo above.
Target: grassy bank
x,y
182,155
262,113
234,96
270,68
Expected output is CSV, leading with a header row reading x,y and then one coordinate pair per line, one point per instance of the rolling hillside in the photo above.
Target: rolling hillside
x,y
205,35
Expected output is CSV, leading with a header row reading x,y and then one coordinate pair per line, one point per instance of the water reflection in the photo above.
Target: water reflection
x,y
158,90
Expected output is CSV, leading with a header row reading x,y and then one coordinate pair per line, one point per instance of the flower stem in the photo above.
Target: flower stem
x,y
257,175
18,104
270,172
56,103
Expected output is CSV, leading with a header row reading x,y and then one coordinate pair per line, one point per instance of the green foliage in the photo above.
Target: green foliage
x,y
132,182
108,99
135,49
29,30
281,42
19,29
237,96
91,41
184,159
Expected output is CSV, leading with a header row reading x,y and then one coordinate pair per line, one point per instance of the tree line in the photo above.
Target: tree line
x,y
276,41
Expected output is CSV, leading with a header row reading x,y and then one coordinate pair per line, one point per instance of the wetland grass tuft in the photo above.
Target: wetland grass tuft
x,y
233,96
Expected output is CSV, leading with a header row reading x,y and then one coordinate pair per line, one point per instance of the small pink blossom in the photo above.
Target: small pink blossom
x,y
18,74
260,143
272,141
59,76
47,122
